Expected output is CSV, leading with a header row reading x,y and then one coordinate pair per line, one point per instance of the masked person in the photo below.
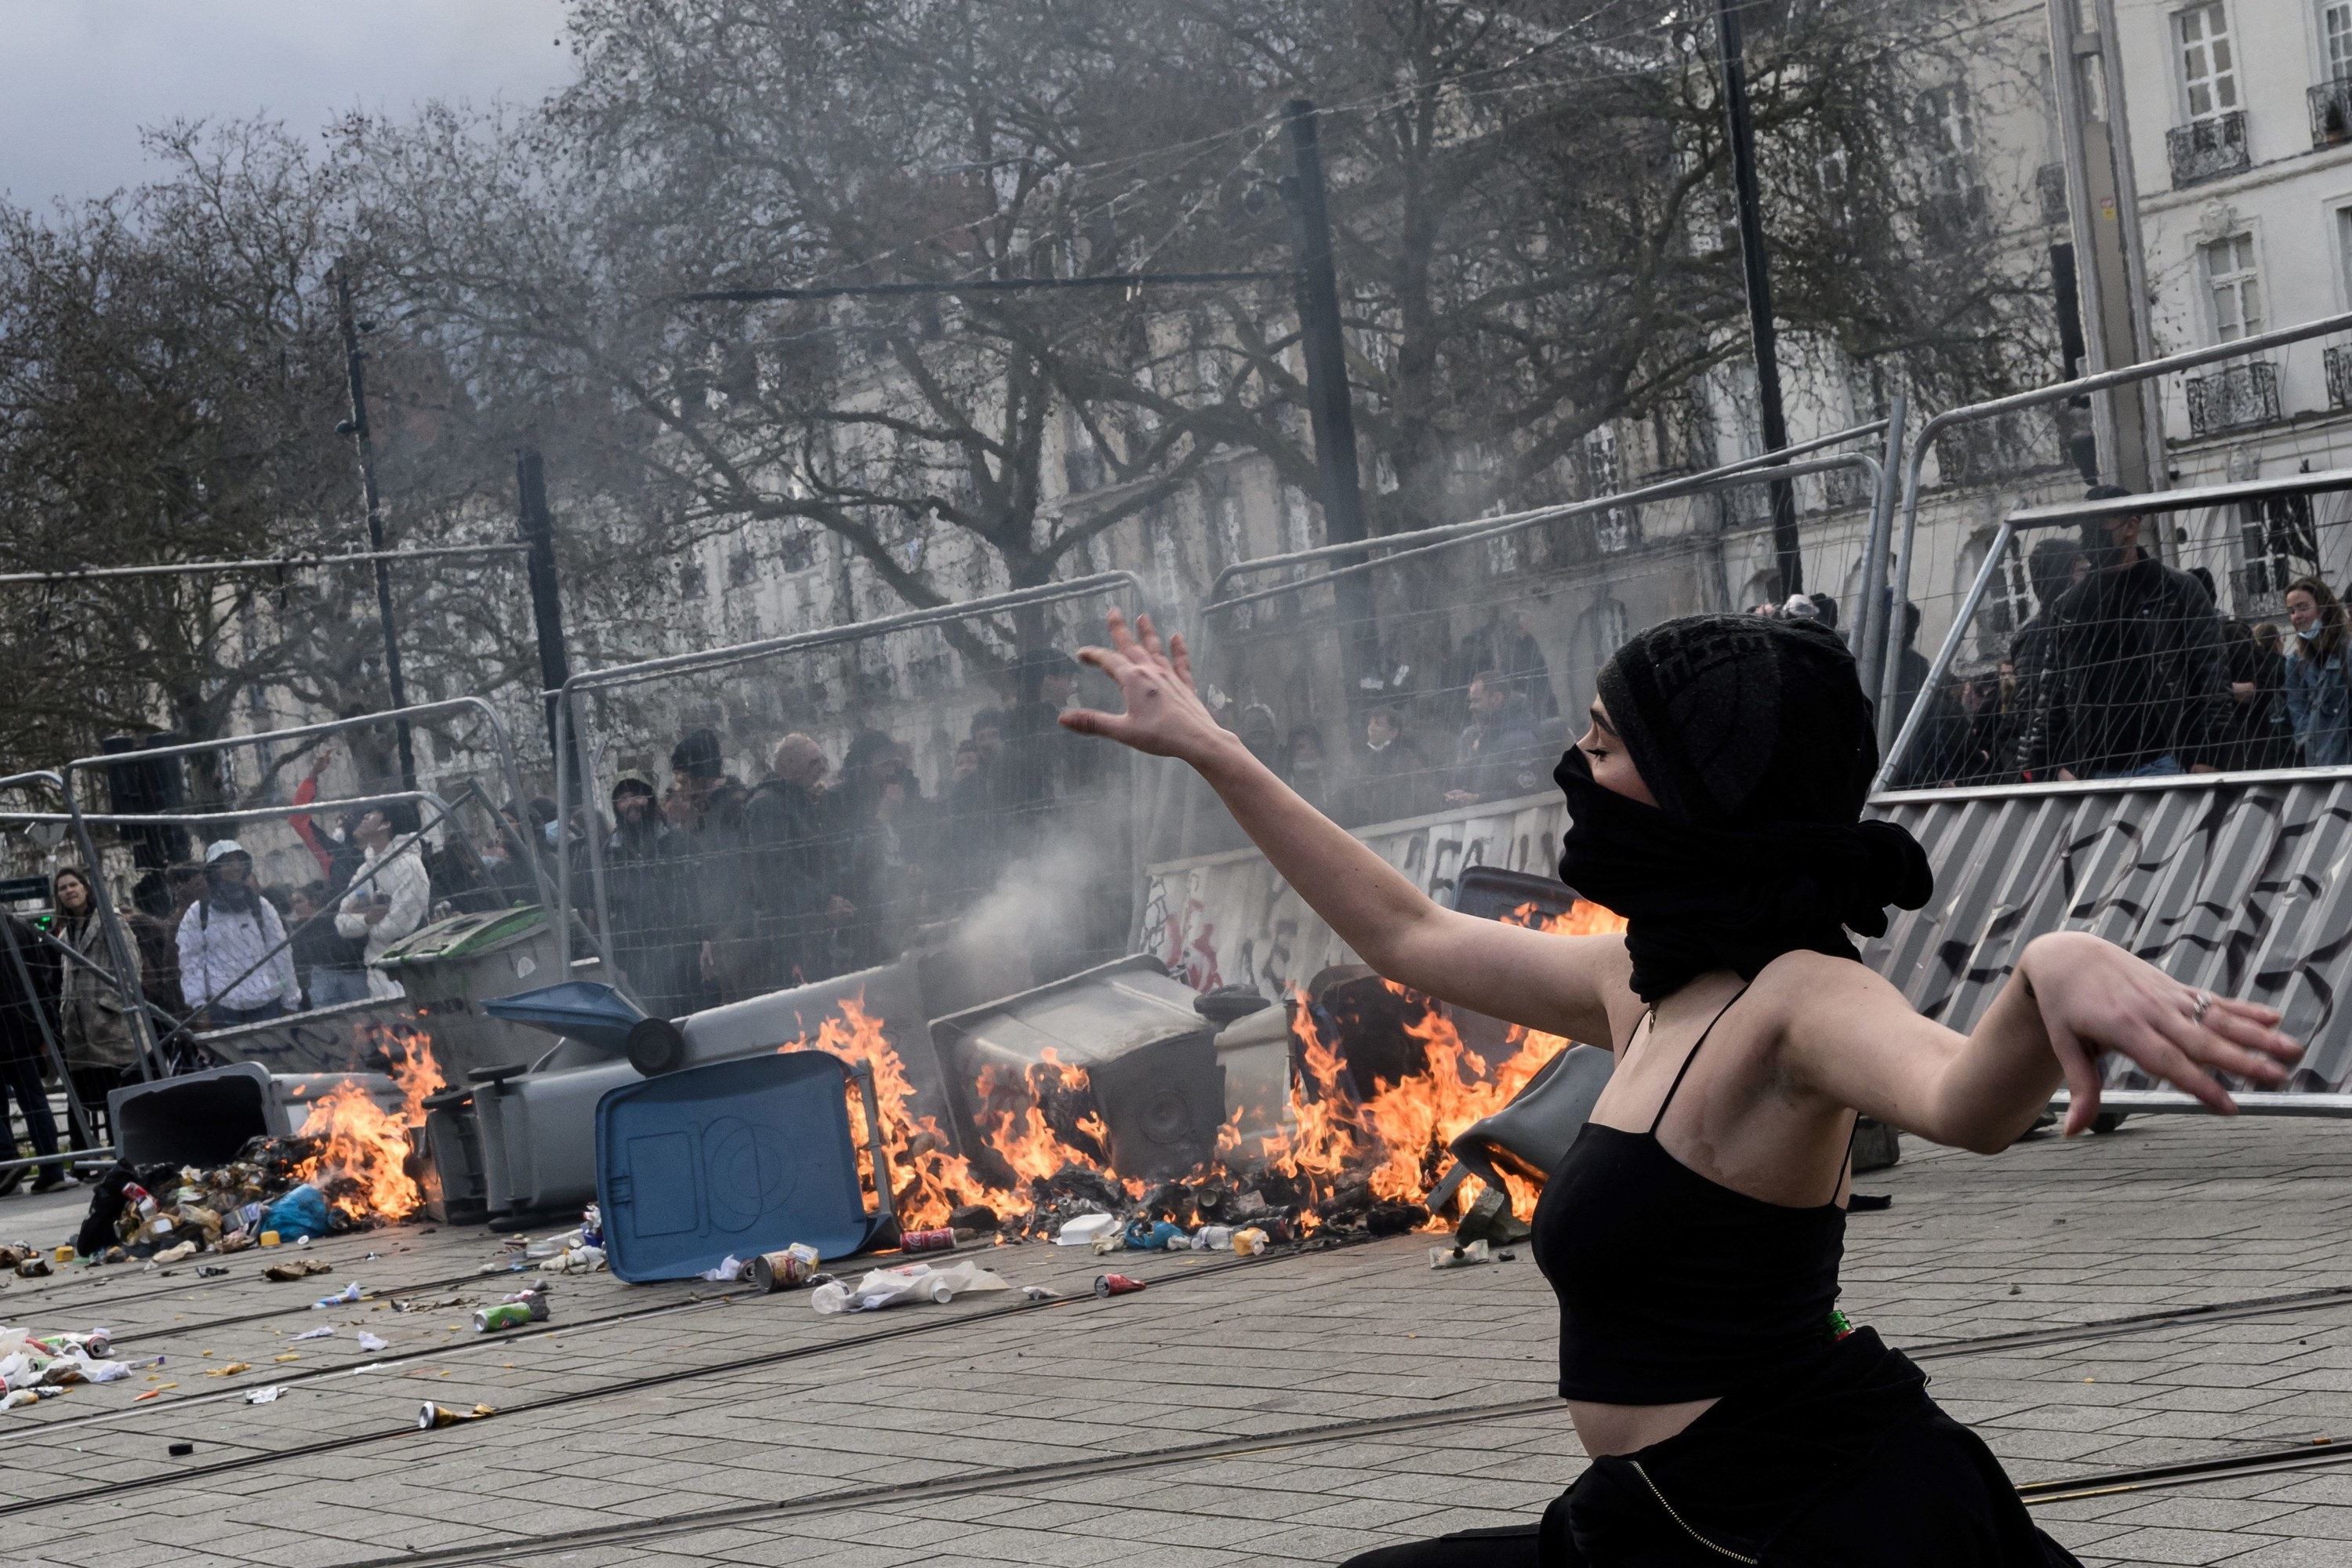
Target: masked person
x,y
1692,1231
236,966
2318,675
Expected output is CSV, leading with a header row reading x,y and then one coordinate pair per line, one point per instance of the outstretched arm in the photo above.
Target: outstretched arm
x,y
1561,986
1852,1037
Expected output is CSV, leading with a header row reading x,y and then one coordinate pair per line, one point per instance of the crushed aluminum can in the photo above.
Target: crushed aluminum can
x,y
436,1415
785,1270
1108,1285
939,1240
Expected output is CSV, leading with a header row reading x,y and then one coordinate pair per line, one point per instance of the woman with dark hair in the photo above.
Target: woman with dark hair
x,y
95,1032
2319,674
1693,1232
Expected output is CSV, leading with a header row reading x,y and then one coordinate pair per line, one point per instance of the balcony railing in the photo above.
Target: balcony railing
x,y
2338,360
2209,149
2331,114
2232,397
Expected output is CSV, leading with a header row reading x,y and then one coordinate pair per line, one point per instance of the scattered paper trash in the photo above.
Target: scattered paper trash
x,y
301,1270
231,1370
18,1397
1041,1293
729,1267
315,1334
1460,1257
174,1254
343,1298
369,1341
264,1395
909,1282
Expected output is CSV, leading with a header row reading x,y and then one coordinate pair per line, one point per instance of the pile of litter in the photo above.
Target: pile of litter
x,y
1205,1215
167,1213
34,1367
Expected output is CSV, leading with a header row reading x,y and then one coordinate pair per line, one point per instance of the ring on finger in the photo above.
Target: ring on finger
x,y
2201,1000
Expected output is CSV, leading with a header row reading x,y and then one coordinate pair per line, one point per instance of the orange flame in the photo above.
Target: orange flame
x,y
1041,1120
360,1167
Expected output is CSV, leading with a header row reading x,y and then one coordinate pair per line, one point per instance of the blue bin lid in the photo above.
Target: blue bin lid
x,y
736,1157
585,1010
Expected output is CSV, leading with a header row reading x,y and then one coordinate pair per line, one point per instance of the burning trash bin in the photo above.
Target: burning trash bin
x,y
1115,1059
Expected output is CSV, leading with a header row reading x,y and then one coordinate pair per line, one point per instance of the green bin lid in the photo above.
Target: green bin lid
x,y
466,936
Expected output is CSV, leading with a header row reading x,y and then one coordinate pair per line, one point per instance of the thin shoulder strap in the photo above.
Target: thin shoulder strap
x,y
1685,1067
1845,1160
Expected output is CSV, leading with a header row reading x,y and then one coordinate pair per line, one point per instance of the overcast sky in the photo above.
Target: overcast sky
x,y
78,78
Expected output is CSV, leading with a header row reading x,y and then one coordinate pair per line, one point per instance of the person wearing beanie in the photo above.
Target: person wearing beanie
x,y
1692,1231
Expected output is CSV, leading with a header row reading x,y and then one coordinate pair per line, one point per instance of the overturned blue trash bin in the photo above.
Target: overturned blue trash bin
x,y
735,1158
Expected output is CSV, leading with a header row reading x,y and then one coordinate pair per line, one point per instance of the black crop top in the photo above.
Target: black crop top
x,y
1671,1287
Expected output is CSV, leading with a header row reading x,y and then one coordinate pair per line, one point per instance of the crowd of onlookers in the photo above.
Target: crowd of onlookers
x,y
2127,668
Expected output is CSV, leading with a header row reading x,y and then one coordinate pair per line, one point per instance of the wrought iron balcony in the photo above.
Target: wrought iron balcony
x,y
2331,114
2233,397
2338,360
2209,149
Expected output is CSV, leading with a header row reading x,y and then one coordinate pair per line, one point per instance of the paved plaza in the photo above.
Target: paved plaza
x,y
1293,1408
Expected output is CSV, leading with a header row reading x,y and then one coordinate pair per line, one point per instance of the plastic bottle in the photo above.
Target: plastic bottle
x,y
1214,1238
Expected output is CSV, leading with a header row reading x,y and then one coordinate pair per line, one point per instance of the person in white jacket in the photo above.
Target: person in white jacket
x,y
235,965
391,894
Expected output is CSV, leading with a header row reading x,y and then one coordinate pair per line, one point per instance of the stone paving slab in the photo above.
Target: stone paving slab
x,y
2167,1213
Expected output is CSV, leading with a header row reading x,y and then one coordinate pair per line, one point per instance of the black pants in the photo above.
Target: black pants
x,y
91,1087
22,1078
1841,1459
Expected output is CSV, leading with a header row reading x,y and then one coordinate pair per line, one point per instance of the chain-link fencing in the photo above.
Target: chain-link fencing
x,y
749,818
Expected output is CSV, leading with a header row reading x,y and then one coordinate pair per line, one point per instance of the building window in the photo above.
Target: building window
x,y
2209,64
2280,544
1615,528
2335,37
2008,598
2236,289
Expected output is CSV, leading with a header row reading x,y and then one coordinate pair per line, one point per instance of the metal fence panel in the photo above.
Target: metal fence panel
x,y
2234,883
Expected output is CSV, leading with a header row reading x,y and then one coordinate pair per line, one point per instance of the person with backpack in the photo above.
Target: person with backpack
x,y
236,966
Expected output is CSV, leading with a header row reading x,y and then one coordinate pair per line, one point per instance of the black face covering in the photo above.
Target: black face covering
x,y
236,898
1757,741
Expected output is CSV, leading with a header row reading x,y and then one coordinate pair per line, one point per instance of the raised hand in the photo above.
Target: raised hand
x,y
2096,997
1164,716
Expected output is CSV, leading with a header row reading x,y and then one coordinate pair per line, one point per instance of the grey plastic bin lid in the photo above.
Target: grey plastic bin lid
x,y
737,1157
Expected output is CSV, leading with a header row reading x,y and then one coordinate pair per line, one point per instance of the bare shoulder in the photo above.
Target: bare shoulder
x,y
1804,987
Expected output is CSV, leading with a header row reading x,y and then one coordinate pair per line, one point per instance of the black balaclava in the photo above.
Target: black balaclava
x,y
1757,741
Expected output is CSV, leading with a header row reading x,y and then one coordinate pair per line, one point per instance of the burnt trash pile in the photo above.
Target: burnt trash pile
x,y
272,1192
